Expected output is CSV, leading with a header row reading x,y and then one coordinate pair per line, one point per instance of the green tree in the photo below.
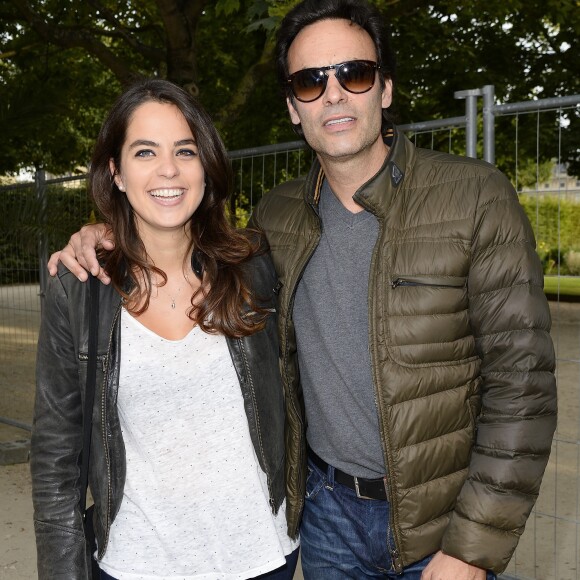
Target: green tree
x,y
62,62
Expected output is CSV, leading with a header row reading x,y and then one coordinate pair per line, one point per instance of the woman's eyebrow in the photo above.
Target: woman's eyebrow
x,y
147,143
188,141
143,142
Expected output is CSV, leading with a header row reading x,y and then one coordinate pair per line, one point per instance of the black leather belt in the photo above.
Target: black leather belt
x,y
364,488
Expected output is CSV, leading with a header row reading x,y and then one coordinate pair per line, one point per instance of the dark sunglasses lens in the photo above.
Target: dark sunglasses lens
x,y
357,76
308,84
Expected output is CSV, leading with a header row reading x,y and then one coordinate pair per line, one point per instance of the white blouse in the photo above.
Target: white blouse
x,y
195,503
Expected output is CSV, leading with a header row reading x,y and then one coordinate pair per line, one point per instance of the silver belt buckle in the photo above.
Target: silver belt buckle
x,y
358,491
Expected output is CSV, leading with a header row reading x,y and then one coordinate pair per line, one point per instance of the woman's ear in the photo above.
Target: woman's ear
x,y
116,176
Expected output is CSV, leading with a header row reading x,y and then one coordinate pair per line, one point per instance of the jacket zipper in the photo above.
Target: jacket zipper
x,y
394,518
252,392
101,360
414,281
394,512
104,435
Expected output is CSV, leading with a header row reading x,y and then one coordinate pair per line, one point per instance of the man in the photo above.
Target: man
x,y
415,346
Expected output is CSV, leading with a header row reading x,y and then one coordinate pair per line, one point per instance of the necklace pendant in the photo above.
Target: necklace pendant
x,y
173,304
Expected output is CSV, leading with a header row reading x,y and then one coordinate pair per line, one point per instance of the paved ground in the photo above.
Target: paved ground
x,y
17,549
548,550
19,322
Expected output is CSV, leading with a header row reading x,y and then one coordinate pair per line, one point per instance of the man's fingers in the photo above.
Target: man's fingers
x,y
87,258
80,255
107,244
69,259
103,276
79,266
53,263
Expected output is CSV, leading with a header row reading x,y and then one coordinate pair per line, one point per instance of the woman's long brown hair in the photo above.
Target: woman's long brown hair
x,y
224,300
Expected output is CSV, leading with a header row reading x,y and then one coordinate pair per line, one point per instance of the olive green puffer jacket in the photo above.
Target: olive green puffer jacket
x,y
462,359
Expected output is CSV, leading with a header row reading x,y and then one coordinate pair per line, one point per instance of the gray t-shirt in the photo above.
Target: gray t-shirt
x,y
331,319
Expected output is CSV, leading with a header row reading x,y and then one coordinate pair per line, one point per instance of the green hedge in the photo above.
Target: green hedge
x,y
565,286
556,224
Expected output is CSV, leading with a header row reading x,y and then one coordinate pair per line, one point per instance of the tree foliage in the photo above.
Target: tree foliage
x,y
525,49
62,63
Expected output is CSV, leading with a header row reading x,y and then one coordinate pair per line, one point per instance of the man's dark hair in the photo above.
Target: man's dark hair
x,y
309,12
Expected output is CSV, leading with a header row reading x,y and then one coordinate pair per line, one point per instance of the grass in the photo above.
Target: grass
x,y
565,285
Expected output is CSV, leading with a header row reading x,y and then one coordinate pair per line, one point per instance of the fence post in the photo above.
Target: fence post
x,y
488,92
40,186
470,97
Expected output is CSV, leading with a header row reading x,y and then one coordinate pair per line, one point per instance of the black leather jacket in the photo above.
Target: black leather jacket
x,y
57,430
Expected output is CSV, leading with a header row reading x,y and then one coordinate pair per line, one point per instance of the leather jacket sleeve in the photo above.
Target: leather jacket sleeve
x,y
57,443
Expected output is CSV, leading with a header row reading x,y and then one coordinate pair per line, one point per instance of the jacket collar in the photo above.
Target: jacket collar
x,y
377,193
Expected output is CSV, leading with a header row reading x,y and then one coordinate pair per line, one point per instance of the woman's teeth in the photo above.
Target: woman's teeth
x,y
166,193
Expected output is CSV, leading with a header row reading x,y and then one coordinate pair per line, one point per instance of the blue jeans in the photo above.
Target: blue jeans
x,y
342,536
285,572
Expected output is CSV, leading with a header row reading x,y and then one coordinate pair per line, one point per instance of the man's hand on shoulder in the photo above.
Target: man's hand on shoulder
x,y
80,254
444,567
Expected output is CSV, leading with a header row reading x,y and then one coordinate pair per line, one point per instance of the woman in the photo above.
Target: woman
x,y
187,455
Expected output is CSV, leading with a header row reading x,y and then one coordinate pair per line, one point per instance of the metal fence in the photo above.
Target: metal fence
x,y
38,218
549,548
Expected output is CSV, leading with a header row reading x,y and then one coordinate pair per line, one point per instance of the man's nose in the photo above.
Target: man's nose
x,y
334,92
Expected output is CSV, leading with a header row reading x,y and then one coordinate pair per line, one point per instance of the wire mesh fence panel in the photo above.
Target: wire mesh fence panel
x,y
255,174
445,139
19,303
35,220
534,149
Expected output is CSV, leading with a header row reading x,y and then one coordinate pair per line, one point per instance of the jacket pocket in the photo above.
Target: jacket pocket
x,y
314,483
428,320
430,281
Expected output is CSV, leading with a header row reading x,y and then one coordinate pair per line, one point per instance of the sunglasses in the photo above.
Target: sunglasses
x,y
354,76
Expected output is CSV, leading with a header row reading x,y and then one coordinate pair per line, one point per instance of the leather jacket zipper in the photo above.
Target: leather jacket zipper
x,y
251,386
101,360
107,526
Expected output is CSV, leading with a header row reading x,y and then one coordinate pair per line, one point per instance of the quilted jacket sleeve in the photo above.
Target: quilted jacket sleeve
x,y
510,320
56,445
